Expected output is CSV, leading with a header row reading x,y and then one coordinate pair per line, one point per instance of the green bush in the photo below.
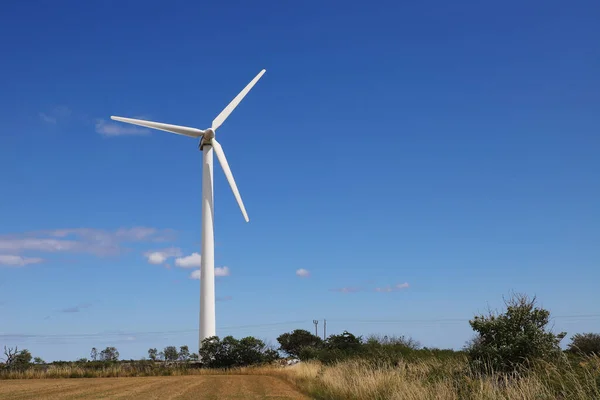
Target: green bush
x,y
585,343
292,343
512,340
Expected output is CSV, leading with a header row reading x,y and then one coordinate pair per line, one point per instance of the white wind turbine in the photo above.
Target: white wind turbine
x,y
207,144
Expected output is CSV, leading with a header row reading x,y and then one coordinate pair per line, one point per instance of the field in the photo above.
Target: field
x,y
201,387
433,378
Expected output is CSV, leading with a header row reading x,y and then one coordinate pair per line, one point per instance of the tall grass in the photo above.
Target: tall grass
x,y
446,380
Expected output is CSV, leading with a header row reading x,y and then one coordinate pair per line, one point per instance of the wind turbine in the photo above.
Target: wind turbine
x,y
207,144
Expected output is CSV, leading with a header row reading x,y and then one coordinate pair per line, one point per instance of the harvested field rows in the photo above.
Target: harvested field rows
x,y
201,387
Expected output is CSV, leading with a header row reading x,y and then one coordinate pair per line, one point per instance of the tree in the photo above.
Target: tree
x,y
230,352
585,343
184,353
510,340
170,353
344,342
194,357
152,354
109,354
94,354
38,360
293,343
15,359
252,351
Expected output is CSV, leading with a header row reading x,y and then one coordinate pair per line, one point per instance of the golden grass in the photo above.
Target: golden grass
x,y
443,380
433,378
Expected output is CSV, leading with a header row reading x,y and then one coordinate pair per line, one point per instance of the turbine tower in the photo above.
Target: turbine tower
x,y
208,144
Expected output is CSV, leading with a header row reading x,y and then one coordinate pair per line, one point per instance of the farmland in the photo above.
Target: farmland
x,y
164,387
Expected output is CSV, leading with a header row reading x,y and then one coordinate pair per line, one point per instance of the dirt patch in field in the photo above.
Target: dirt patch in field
x,y
203,387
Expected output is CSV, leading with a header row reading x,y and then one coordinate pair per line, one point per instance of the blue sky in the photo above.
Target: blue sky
x,y
448,147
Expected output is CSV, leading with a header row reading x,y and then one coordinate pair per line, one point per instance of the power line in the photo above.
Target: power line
x,y
266,326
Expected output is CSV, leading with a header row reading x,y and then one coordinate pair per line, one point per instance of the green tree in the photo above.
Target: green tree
x,y
171,353
585,343
109,354
152,354
293,343
510,340
344,342
15,359
184,353
230,352
94,354
38,360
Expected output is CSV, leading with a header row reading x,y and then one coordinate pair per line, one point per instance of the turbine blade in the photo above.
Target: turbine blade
x,y
223,160
180,130
217,122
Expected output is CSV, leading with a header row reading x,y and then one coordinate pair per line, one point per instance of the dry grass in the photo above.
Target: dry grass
x,y
443,380
427,379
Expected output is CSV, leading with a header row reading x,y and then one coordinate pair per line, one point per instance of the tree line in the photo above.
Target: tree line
x,y
503,342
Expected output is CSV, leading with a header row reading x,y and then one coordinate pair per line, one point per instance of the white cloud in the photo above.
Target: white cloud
x,y
195,274
219,271
303,273
347,290
160,256
157,257
106,128
191,261
394,288
80,240
18,261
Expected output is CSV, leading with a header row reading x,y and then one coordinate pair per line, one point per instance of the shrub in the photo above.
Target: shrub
x,y
510,341
585,343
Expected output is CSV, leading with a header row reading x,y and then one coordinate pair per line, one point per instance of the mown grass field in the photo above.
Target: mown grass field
x,y
201,387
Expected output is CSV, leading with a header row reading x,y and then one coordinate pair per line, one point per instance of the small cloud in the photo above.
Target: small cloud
x,y
195,274
18,261
107,129
47,118
160,256
219,271
346,290
191,261
224,298
76,309
394,288
52,117
302,273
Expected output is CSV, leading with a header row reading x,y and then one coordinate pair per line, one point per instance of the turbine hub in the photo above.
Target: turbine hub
x,y
206,138
209,134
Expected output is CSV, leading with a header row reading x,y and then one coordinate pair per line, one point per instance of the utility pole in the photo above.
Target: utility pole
x,y
324,329
316,321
